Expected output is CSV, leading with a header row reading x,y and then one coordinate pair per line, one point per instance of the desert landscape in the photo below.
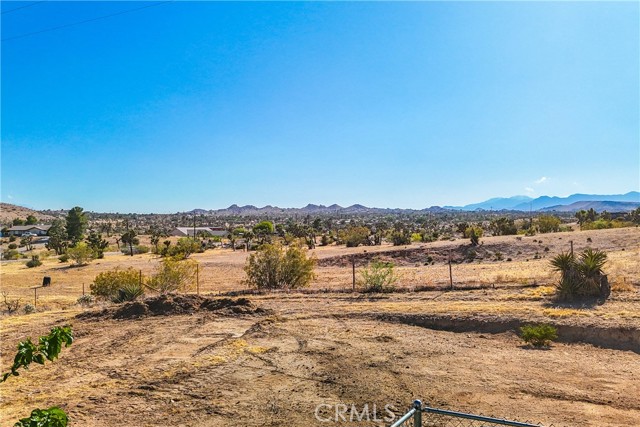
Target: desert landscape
x,y
319,213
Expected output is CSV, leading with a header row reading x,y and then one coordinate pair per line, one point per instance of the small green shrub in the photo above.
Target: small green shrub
x,y
538,335
13,246
11,254
173,275
29,308
63,258
273,267
128,292
378,276
12,238
81,254
107,284
34,262
85,299
141,249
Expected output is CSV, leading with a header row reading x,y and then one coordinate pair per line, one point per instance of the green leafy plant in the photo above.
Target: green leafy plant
x,y
538,335
378,276
48,348
52,417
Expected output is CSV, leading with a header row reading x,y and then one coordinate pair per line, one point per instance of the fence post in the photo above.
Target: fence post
x,y
353,272
417,416
450,272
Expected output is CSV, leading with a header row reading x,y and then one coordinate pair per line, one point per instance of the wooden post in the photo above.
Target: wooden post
x,y
353,271
198,279
571,241
450,272
140,278
82,288
35,297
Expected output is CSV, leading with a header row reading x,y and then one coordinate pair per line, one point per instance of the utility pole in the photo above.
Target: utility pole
x,y
194,225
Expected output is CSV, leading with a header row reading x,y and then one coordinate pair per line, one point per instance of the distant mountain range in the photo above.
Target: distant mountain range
x,y
575,202
310,209
631,200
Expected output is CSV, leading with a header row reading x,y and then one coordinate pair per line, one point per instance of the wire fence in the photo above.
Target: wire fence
x,y
425,416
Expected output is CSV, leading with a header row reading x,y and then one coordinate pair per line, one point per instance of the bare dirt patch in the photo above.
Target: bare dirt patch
x,y
203,370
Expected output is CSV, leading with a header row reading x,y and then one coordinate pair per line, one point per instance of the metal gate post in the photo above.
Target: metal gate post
x,y
417,416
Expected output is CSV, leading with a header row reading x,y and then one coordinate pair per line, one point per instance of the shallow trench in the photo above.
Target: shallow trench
x,y
616,338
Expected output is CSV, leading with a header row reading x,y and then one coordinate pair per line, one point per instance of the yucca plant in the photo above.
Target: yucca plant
x,y
581,277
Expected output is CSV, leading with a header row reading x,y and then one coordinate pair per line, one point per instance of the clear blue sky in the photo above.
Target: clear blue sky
x,y
205,104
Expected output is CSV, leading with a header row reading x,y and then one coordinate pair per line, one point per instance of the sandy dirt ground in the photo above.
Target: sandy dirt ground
x,y
455,350
275,369
221,270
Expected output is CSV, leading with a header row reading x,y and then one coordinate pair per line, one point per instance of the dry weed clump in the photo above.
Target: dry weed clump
x,y
620,284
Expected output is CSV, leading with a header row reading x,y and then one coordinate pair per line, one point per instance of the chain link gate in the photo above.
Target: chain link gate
x,y
425,416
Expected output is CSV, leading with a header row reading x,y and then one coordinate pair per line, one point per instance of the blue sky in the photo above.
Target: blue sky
x,y
205,104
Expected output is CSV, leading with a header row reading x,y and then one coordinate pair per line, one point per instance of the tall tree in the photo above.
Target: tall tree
x,y
57,237
97,244
129,238
76,225
31,220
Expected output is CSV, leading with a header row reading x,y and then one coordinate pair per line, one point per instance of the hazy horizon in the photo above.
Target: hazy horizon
x,y
161,107
296,207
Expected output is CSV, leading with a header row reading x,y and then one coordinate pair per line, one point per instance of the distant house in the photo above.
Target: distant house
x,y
211,231
19,230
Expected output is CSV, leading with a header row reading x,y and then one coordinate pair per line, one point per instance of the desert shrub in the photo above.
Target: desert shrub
x,y
548,223
11,305
474,233
582,276
503,226
63,258
355,236
12,238
538,335
378,276
13,246
81,254
128,292
107,284
141,249
34,262
29,308
11,254
173,275
182,249
273,267
85,299
325,240
400,236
